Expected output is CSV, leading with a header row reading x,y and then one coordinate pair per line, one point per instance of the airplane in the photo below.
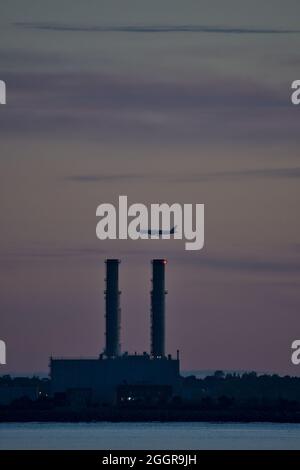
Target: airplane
x,y
159,232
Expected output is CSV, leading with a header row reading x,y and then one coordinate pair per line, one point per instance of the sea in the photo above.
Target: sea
x,y
149,436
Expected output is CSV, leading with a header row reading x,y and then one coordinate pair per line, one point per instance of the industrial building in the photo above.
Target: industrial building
x,y
114,377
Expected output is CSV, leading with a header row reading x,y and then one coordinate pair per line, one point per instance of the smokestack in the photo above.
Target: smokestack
x,y
158,308
112,308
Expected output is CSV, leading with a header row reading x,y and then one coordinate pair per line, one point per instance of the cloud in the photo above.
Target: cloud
x,y
152,29
256,173
27,59
251,264
103,178
46,252
144,248
273,173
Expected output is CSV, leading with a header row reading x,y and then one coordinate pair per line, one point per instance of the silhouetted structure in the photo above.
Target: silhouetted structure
x,y
99,379
112,308
158,294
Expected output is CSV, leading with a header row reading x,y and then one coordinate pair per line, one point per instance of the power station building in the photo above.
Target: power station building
x,y
116,377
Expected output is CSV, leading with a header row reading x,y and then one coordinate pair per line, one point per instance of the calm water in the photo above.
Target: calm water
x,y
149,436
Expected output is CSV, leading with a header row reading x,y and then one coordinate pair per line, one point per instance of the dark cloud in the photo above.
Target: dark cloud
x,y
108,105
49,26
102,91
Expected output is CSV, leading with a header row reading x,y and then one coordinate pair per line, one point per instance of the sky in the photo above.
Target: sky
x,y
162,101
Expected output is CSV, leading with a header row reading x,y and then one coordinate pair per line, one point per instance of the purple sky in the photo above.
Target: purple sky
x,y
164,101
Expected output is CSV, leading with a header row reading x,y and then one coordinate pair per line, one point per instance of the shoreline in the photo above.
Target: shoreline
x,y
145,416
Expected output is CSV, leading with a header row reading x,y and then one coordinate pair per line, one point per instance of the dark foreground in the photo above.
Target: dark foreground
x,y
218,398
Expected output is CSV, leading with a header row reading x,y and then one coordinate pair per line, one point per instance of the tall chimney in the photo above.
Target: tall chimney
x,y
158,308
112,308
